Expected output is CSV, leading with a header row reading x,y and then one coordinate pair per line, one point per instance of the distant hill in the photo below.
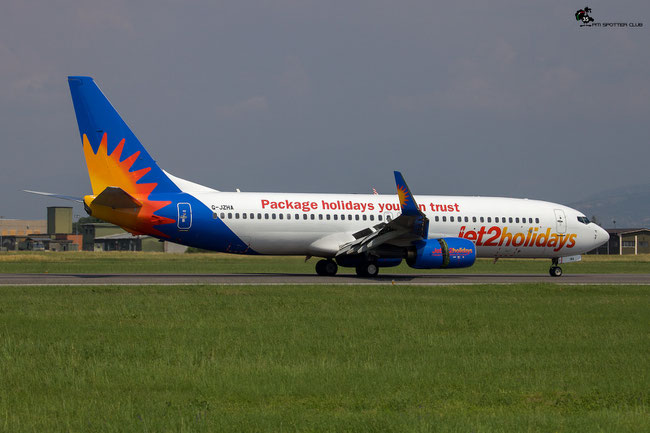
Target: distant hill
x,y
629,206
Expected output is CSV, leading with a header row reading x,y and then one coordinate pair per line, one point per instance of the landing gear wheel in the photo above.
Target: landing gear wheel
x,y
555,271
326,267
367,269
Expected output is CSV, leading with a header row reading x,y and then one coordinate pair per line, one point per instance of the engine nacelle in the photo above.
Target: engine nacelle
x,y
442,253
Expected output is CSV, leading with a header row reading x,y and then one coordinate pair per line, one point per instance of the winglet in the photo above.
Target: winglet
x,y
406,199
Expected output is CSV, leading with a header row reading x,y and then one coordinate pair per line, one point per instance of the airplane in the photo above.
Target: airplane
x,y
361,231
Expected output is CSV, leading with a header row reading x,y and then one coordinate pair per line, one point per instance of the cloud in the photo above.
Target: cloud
x,y
253,104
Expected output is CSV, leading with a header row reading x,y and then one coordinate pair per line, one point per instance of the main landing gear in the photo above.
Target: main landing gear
x,y
555,270
367,269
326,267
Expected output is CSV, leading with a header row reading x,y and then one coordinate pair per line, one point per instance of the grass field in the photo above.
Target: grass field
x,y
314,358
134,262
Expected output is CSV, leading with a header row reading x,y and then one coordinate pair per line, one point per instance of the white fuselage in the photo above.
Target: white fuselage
x,y
318,224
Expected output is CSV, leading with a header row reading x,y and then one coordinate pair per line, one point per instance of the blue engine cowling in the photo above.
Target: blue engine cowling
x,y
442,253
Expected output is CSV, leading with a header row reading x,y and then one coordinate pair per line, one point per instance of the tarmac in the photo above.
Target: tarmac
x,y
303,279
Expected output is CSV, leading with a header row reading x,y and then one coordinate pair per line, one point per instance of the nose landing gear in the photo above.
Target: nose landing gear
x,y
555,270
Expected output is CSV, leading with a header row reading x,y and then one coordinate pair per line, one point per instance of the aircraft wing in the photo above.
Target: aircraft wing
x,y
412,225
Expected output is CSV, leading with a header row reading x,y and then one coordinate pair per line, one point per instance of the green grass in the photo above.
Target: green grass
x,y
316,358
134,262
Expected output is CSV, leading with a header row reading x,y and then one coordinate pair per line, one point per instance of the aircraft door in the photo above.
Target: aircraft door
x,y
560,221
184,221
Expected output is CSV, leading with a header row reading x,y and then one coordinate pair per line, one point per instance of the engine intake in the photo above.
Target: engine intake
x,y
446,253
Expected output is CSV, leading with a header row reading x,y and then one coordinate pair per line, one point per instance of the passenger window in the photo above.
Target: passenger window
x,y
336,217
288,216
356,217
259,216
280,215
380,217
272,216
372,217
223,215
510,220
313,216
320,216
489,219
466,219
437,218
517,220
496,219
536,220
243,216
444,219
365,217
266,216
304,216
482,219
229,215
327,217
349,217
252,216
473,219
530,220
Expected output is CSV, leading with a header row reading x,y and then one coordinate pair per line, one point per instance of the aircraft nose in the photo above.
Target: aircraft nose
x,y
601,235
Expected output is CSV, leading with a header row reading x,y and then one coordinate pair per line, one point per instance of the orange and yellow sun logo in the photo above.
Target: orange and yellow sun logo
x,y
403,195
107,170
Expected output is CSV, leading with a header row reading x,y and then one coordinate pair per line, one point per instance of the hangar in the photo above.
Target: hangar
x,y
626,241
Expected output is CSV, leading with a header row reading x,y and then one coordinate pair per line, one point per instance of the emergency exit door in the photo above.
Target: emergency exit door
x,y
184,221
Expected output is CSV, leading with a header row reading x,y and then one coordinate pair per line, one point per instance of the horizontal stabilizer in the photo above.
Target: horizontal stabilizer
x,y
116,198
49,194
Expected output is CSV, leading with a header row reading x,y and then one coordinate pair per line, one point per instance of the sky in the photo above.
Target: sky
x,y
501,98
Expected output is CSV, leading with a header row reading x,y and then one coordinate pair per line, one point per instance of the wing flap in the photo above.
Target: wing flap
x,y
412,225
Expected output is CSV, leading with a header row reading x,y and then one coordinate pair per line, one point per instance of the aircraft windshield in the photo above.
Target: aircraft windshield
x,y
583,219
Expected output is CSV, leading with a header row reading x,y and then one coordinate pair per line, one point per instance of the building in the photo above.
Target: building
x,y
626,241
13,229
53,234
109,237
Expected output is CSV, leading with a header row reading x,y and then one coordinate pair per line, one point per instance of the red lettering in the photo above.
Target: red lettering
x,y
542,239
572,241
265,203
562,241
491,242
481,232
505,237
518,239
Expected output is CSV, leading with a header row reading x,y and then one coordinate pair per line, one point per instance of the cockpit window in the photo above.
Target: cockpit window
x,y
583,219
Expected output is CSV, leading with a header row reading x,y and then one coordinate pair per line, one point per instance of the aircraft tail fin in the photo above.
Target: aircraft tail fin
x,y
406,199
114,155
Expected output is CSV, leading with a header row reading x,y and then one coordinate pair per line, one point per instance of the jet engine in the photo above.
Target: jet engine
x,y
442,253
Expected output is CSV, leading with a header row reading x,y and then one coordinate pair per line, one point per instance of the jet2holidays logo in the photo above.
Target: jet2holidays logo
x,y
583,16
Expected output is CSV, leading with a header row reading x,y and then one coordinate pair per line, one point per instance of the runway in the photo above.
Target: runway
x,y
295,279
